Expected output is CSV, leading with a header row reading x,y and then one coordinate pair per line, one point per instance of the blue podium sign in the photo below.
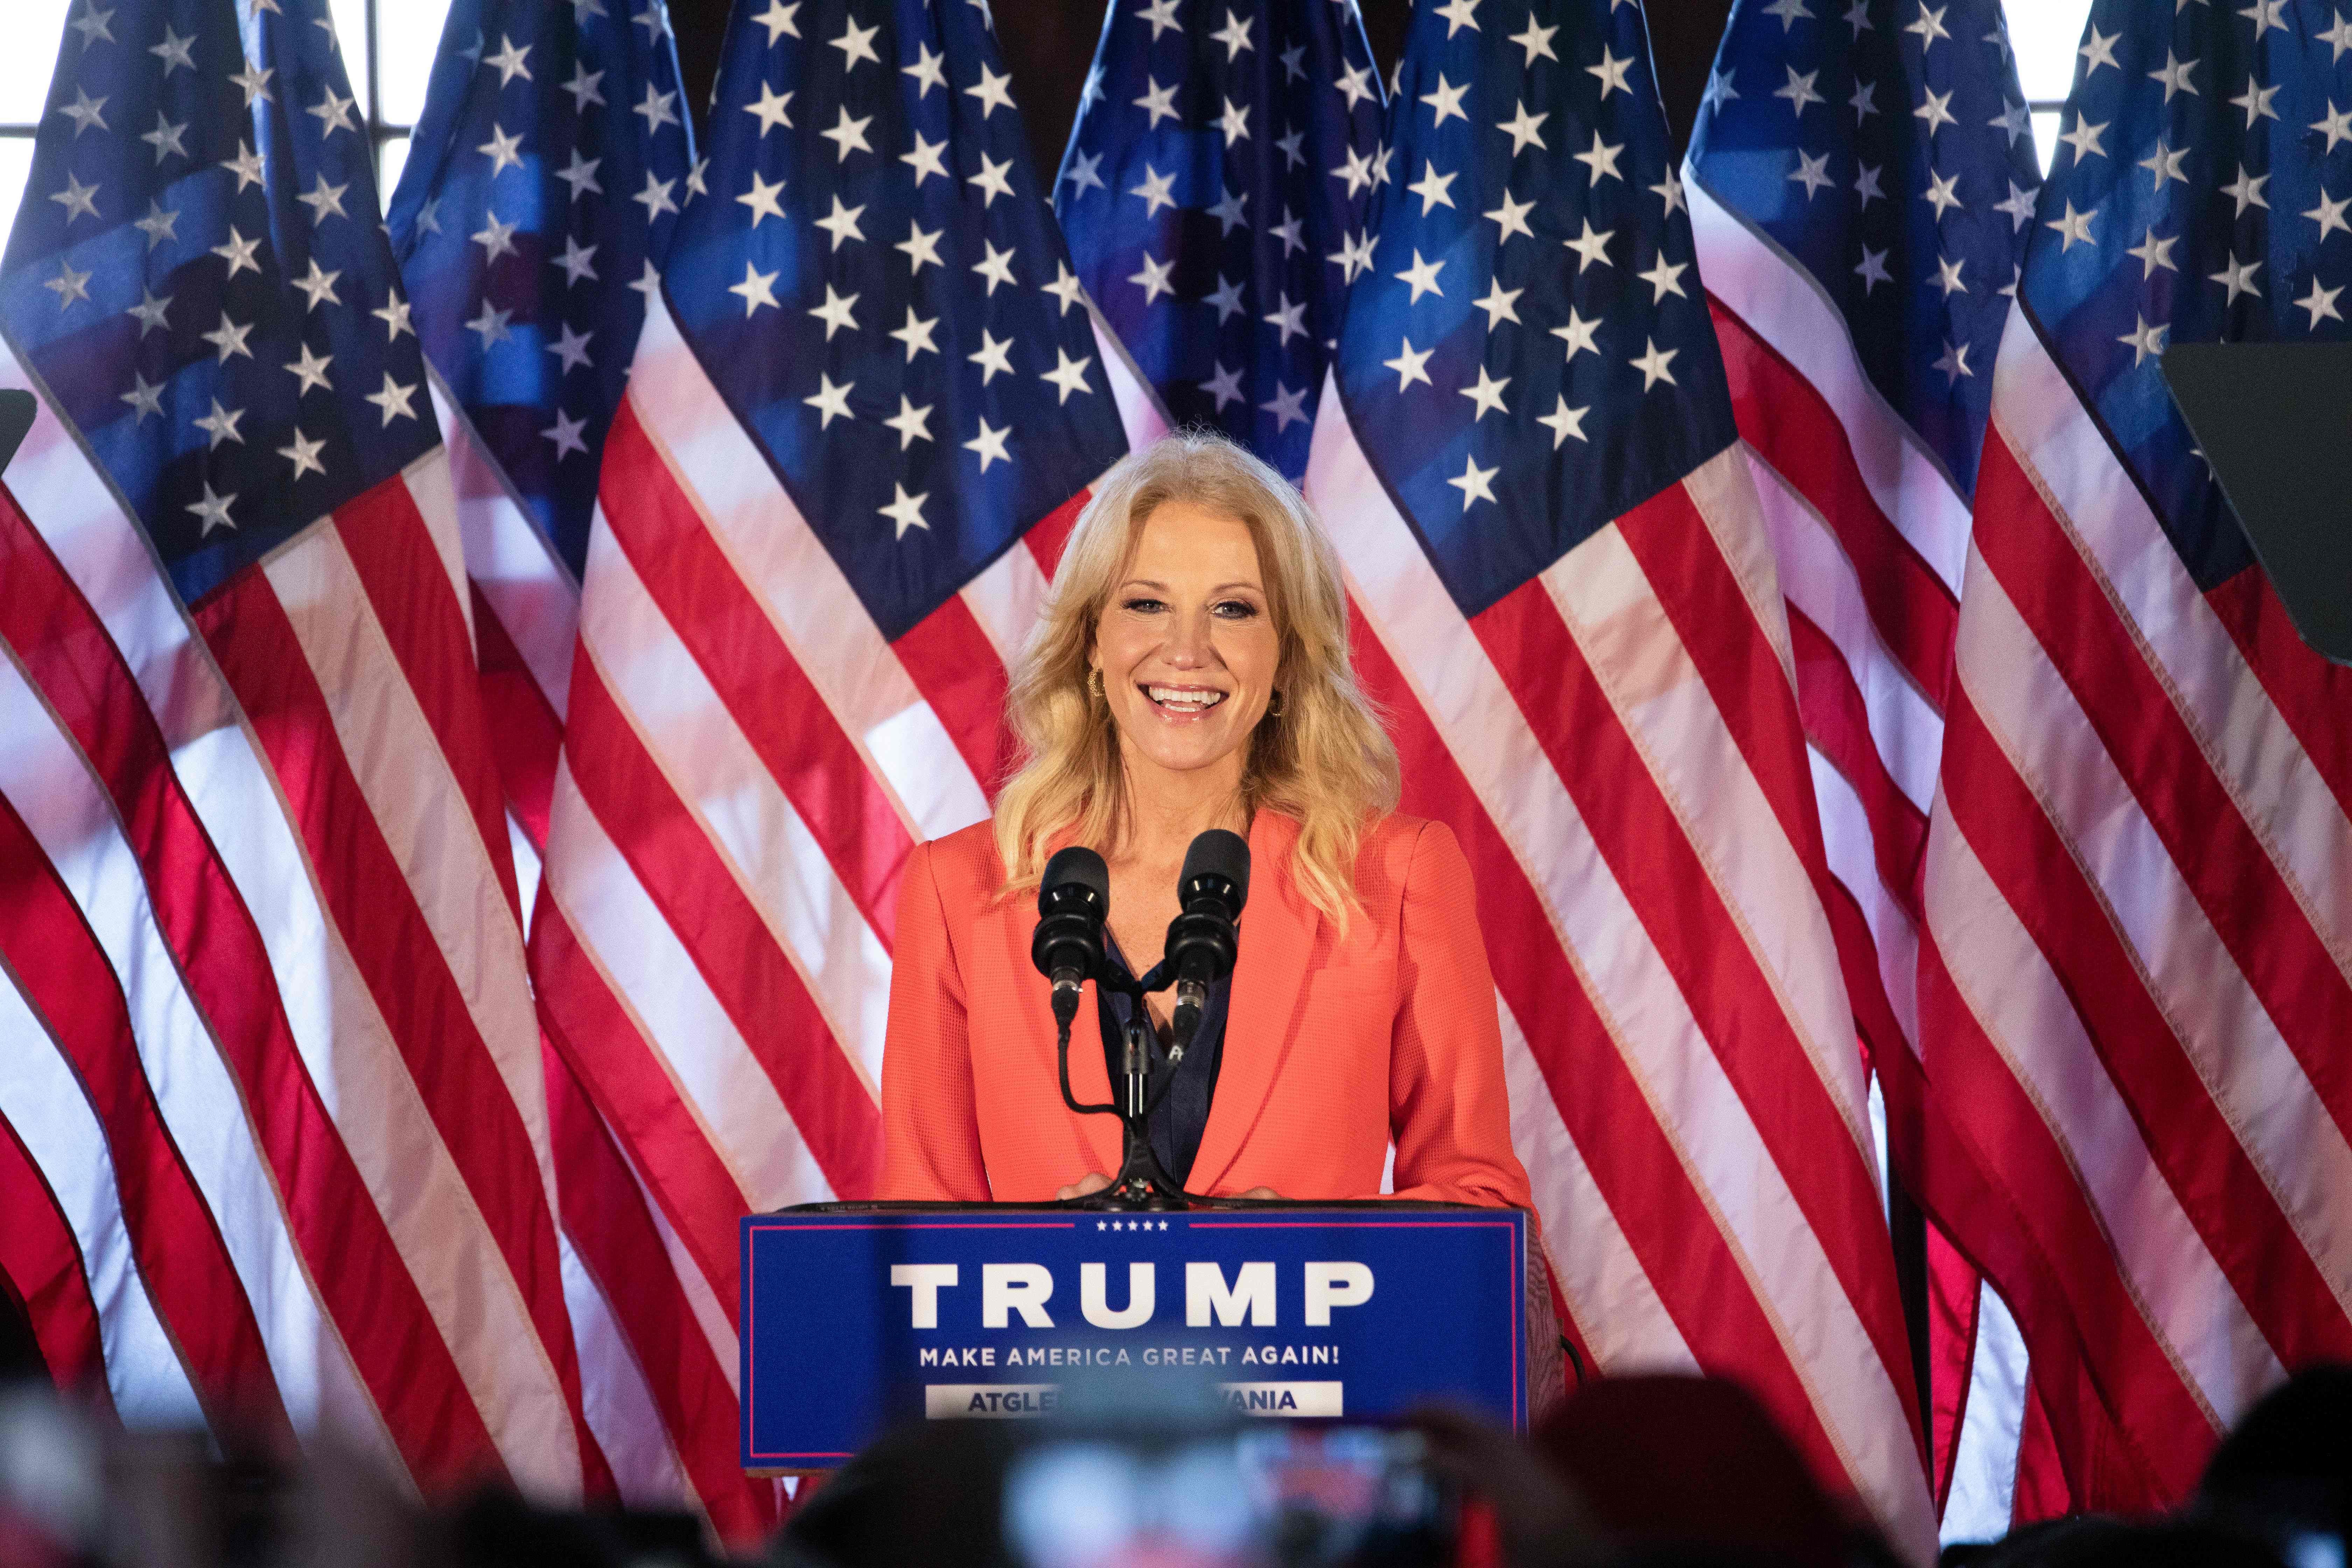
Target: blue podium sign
x,y
853,1321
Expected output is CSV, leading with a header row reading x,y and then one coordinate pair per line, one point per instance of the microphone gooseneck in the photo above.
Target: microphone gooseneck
x,y
1202,940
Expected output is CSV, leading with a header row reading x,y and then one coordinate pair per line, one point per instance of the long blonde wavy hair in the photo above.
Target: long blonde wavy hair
x,y
1324,759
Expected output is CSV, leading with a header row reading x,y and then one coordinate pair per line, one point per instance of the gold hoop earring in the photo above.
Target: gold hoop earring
x,y
1095,684
1274,706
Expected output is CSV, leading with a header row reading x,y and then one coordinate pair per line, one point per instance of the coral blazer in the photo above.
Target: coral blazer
x,y
1334,1046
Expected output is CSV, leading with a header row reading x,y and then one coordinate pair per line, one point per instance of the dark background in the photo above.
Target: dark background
x,y
1048,44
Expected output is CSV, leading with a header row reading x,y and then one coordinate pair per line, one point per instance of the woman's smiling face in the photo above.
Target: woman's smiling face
x,y
1186,643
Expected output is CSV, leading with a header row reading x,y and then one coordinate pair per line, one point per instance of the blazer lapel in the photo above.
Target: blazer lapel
x,y
1278,928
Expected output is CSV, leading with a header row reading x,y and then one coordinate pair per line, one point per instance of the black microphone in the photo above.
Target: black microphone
x,y
1201,941
1072,898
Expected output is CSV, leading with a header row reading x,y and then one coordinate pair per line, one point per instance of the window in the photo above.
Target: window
x,y
2045,35
388,48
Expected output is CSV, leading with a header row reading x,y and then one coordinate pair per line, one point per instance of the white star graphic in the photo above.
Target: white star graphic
x,y
584,88
158,226
1435,190
1941,195
247,166
1458,15
1789,12
994,91
1153,278
70,285
2145,339
1446,99
1513,217
304,455
831,401
1066,288
394,399
1156,191
1474,482
2083,138
2329,215
84,111
1068,376
2174,75
220,424
581,174
318,286
1602,159
2247,188
1935,108
929,71
2154,252
166,138
1523,128
1872,270
1663,278
1085,172
1158,101
496,238
335,114
310,370
509,60
1652,363
393,314
1229,213
993,357
2335,126
1564,422
1291,320
761,199
1537,42
491,325
1590,246
325,201
1226,297
570,347
577,260
144,398
912,424
214,511
151,311
1421,277
1488,395
848,135
905,511
1929,26
1225,386
757,288
2238,277
229,338
781,21
2071,227
1579,336
995,265
921,246
1288,407
1162,15
841,223
1947,276
1234,35
1812,173
855,44
2320,302
1799,90
992,180
81,201
2098,49
916,334
1500,303
925,160
1611,72
990,445
1411,365
1234,122
1954,364
566,433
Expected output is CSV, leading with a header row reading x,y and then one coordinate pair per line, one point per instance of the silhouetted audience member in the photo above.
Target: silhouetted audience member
x,y
2095,1540
2285,1472
1687,1470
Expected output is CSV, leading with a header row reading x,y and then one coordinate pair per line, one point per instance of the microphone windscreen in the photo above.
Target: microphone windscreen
x,y
1219,852
1078,865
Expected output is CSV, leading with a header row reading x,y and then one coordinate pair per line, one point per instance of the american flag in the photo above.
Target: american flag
x,y
542,187
1213,197
276,1150
1861,179
539,195
1526,455
2134,990
866,403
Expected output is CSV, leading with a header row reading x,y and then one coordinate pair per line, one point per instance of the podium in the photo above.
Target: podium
x,y
856,1317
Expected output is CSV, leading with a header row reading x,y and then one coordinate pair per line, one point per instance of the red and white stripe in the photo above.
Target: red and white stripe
x,y
747,763
1870,535
1616,743
266,921
2134,975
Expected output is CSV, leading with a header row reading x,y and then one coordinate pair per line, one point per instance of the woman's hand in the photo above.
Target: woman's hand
x,y
1087,1186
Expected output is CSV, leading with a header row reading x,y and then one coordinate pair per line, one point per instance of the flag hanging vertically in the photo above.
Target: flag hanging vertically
x,y
866,404
2134,985
271,1048
541,187
1527,458
1213,194
1860,182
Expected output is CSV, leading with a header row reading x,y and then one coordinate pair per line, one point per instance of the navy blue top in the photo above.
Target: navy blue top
x,y
1183,1111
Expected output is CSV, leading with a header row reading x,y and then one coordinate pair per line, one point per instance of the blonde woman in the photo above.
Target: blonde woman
x,y
1189,672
